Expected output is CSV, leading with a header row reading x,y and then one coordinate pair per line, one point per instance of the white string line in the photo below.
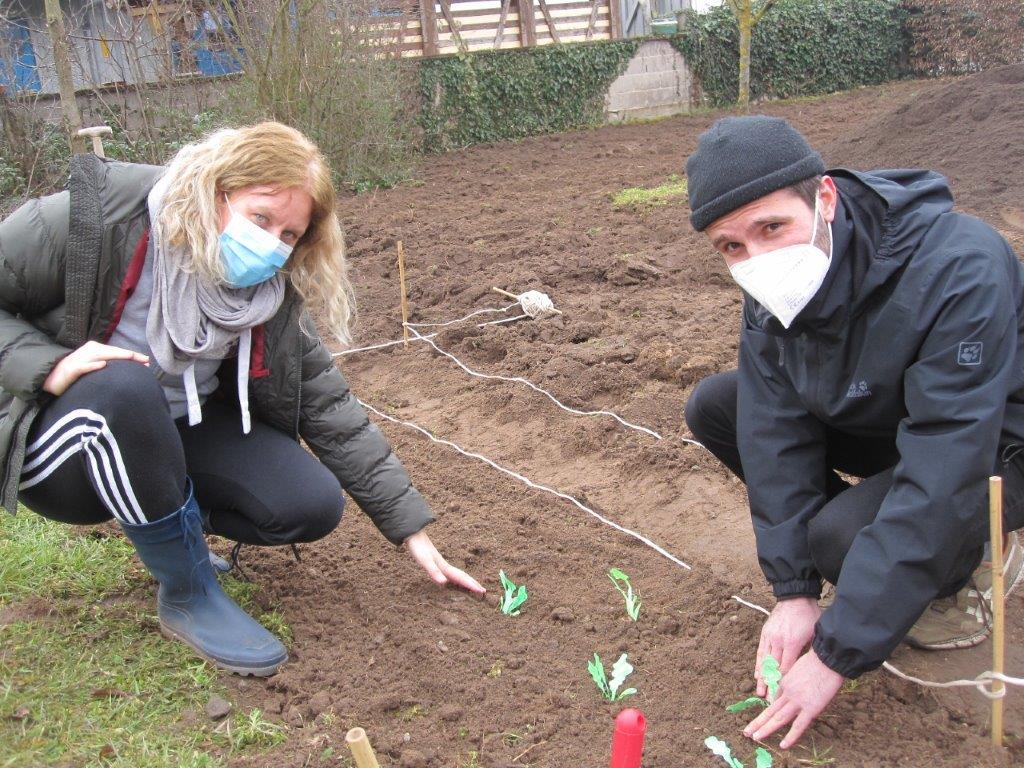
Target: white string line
x,y
511,379
541,390
396,342
639,537
503,320
471,314
982,682
377,346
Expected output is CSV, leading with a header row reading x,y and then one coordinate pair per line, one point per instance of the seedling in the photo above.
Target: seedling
x,y
632,598
513,597
772,675
762,757
621,669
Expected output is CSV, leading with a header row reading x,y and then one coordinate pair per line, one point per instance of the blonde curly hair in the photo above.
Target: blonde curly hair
x,y
266,154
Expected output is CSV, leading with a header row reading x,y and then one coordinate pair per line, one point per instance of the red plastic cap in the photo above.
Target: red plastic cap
x,y
631,721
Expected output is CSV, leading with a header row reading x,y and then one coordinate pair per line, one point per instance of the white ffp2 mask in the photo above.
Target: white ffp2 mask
x,y
783,281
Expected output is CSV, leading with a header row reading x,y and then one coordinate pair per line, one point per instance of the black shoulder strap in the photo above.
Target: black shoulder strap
x,y
85,240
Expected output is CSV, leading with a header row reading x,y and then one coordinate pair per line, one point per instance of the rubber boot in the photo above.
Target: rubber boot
x,y
191,604
219,563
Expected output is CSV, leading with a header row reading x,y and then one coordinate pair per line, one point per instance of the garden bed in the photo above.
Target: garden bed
x,y
441,680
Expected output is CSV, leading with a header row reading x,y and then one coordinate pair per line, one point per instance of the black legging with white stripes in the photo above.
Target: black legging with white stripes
x,y
108,447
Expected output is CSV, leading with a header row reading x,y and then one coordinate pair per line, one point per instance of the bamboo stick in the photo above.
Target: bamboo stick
x,y
995,508
405,301
362,752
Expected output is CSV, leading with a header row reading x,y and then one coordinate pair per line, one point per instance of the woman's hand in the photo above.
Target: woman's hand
x,y
89,357
440,570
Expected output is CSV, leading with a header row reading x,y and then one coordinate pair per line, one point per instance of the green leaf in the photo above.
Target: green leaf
x,y
633,601
621,669
772,675
763,758
720,748
633,606
517,600
625,693
513,596
596,670
753,701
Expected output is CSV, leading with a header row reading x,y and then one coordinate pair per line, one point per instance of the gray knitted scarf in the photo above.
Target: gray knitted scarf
x,y
191,318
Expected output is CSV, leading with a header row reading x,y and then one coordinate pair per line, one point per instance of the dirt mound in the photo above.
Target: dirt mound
x,y
971,130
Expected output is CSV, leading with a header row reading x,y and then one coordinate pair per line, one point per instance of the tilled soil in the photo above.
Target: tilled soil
x,y
439,679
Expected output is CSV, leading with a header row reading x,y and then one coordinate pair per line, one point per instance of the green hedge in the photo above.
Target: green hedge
x,y
500,95
800,48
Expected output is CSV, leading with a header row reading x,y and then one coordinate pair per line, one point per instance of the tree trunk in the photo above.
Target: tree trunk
x,y
65,80
745,23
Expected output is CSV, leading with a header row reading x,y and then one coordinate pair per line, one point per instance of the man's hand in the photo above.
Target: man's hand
x,y
89,357
440,570
803,693
786,634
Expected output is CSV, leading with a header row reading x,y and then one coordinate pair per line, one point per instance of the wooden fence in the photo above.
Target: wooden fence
x,y
450,26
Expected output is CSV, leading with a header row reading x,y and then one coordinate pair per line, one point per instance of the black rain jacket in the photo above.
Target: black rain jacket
x,y
915,335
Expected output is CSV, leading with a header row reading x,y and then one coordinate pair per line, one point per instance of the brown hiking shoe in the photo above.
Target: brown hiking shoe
x,y
964,620
828,596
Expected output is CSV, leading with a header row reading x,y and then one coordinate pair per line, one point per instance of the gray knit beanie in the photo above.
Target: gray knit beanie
x,y
741,159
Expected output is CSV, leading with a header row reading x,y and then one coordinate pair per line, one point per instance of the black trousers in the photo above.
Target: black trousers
x,y
711,416
108,447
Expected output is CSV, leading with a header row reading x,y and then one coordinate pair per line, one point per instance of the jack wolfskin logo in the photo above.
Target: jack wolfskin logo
x,y
970,353
858,389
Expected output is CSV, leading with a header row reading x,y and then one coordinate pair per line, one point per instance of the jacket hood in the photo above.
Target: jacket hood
x,y
118,188
881,219
911,202
122,187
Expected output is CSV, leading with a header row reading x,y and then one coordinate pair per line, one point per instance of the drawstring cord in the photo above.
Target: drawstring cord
x,y
190,522
1011,452
236,566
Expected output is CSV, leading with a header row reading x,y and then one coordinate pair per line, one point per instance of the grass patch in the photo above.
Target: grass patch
x,y
641,197
42,558
85,676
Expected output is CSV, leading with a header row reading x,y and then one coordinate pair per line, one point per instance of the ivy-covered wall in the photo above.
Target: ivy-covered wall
x,y
800,47
500,95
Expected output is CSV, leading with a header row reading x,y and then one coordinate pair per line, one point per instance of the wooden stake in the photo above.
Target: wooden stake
x,y
995,508
405,305
362,752
505,293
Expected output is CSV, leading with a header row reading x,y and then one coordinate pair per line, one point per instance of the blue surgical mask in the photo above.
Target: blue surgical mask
x,y
251,255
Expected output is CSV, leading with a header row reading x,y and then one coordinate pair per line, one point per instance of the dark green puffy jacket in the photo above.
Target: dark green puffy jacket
x,y
64,277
